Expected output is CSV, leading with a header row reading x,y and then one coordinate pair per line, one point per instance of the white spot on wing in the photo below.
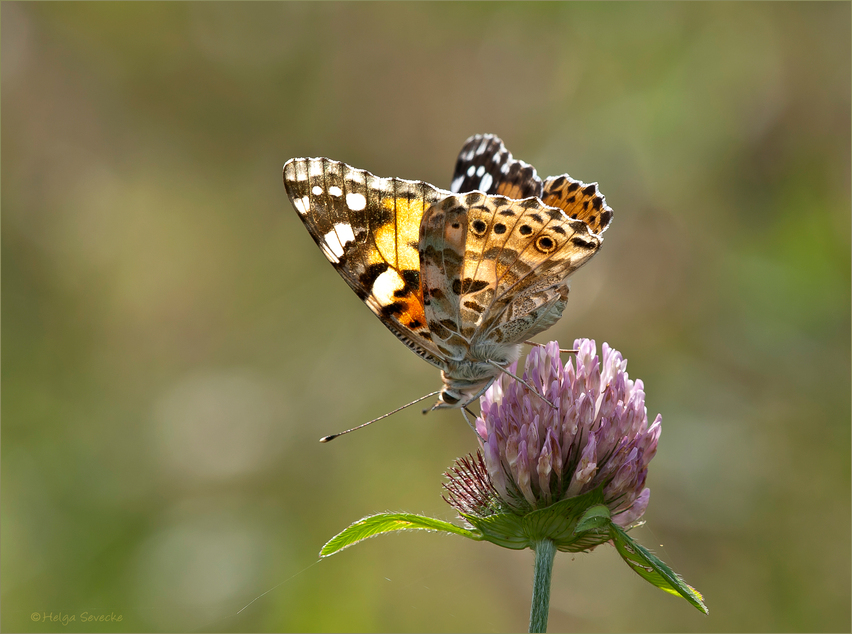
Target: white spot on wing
x,y
344,233
482,146
334,190
471,170
385,285
334,245
356,202
302,205
454,186
485,183
317,190
315,167
481,170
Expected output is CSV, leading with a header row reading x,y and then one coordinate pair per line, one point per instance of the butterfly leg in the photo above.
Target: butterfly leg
x,y
541,345
471,425
520,380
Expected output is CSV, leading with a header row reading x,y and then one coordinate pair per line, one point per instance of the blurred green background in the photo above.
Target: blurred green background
x,y
174,343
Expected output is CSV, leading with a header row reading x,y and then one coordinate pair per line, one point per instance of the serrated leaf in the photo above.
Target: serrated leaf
x,y
386,523
652,569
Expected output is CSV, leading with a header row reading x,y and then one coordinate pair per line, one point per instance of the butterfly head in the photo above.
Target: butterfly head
x,y
454,396
465,380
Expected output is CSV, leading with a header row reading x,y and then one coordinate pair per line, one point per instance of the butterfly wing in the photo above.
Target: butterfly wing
x,y
368,228
536,255
510,283
443,233
484,164
578,200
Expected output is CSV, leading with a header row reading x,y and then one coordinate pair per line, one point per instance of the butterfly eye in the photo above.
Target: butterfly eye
x,y
478,227
545,244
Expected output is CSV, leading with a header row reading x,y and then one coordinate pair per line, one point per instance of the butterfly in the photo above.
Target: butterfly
x,y
462,276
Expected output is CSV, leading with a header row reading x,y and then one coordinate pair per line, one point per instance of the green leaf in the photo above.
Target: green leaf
x,y
652,569
503,529
386,523
595,518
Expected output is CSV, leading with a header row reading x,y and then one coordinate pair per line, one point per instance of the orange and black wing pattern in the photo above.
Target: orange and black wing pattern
x,y
369,227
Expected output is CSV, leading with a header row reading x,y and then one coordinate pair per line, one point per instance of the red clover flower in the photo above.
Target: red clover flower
x,y
597,435
562,467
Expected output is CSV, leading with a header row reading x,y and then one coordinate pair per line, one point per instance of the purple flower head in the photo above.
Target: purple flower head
x,y
597,436
564,453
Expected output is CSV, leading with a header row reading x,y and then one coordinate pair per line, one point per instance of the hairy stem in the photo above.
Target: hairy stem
x,y
545,551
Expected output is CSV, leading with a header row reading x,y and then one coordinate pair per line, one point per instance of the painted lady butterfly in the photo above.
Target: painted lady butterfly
x,y
461,277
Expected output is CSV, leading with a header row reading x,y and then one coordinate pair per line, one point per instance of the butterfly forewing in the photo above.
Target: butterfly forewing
x,y
368,228
485,165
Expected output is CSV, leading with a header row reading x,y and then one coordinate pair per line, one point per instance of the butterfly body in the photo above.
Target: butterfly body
x,y
460,277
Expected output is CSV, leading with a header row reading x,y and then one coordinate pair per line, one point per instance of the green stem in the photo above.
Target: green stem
x,y
545,551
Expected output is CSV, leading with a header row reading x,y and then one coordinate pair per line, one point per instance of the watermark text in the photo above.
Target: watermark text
x,y
81,617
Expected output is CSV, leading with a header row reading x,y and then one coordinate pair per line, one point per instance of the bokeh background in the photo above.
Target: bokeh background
x,y
174,343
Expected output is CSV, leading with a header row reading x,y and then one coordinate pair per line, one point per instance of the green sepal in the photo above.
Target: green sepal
x,y
652,569
557,522
386,523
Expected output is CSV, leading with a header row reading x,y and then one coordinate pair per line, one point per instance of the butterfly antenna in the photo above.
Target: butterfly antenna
x,y
333,436
520,380
541,345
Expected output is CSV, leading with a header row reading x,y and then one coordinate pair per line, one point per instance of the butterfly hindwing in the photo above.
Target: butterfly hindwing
x,y
528,250
485,165
540,250
494,267
578,200
368,228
